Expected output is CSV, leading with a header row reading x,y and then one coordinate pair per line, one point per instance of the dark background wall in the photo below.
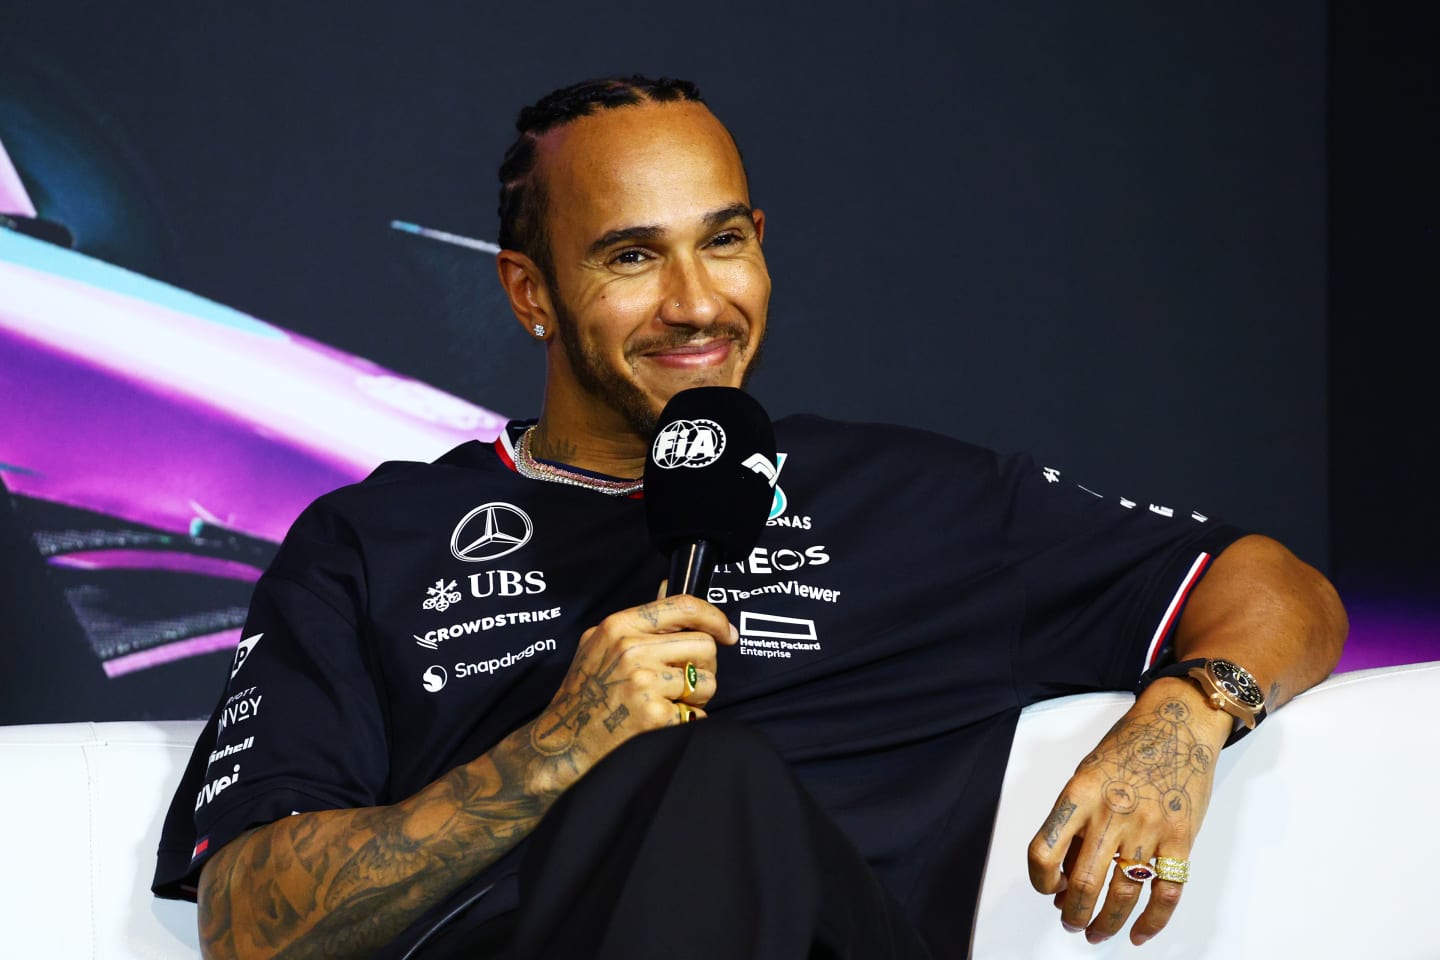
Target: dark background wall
x,y
1093,232
1384,293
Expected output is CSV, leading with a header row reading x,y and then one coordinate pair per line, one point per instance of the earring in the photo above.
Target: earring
x,y
539,329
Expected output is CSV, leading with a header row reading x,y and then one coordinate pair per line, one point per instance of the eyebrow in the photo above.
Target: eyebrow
x,y
648,234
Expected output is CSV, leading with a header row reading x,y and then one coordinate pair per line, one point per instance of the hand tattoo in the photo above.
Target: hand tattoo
x,y
1058,818
1153,760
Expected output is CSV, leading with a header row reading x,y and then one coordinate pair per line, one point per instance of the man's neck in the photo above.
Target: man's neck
x,y
614,454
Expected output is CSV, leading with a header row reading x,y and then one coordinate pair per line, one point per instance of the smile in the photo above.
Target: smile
x,y
692,355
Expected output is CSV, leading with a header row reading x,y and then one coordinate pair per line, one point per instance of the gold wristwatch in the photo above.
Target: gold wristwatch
x,y
1227,685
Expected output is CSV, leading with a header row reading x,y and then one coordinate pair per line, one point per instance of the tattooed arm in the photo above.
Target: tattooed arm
x,y
1144,790
340,883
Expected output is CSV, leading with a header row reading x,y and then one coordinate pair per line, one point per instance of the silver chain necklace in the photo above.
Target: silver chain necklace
x,y
527,466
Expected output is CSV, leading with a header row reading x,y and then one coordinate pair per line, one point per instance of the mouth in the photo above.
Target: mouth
x,y
692,356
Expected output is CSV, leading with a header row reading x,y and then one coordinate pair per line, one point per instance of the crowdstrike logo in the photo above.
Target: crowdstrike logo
x,y
688,443
489,531
434,678
242,653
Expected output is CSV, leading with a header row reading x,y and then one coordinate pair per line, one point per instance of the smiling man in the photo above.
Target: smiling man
x,y
647,269
449,666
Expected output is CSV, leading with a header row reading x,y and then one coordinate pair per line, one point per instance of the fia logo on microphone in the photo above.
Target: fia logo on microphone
x,y
688,443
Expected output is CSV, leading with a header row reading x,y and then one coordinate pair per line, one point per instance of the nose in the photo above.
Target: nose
x,y
690,297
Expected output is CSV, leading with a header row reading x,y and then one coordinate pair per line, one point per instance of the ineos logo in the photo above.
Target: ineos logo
x,y
688,443
504,529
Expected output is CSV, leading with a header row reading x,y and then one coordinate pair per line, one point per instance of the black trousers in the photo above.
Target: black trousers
x,y
694,842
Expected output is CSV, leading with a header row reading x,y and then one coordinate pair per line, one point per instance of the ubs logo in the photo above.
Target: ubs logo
x,y
688,443
489,531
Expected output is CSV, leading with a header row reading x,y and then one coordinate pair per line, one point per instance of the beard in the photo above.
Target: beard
x,y
624,396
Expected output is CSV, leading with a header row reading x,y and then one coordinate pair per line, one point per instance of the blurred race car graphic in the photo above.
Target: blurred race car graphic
x,y
157,445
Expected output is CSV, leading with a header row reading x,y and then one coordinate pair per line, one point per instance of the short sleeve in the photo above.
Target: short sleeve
x,y
1105,577
299,726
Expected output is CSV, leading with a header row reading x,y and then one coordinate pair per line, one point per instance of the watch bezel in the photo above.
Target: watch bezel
x,y
1214,687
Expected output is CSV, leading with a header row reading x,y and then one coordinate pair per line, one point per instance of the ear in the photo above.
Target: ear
x,y
758,216
524,285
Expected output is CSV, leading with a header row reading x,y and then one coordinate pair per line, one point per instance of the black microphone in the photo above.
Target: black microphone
x,y
709,481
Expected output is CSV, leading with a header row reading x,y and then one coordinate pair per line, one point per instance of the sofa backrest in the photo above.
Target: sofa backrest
x,y
1319,840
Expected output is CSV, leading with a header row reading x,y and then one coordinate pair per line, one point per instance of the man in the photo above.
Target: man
x,y
440,654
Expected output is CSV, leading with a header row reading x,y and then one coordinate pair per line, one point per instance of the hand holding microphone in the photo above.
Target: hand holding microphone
x,y
709,481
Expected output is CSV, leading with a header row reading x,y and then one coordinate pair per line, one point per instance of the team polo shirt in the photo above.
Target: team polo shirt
x,y
909,595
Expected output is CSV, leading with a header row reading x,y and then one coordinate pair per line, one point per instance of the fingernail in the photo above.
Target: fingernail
x,y
734,634
1097,937
1069,928
1139,938
1064,885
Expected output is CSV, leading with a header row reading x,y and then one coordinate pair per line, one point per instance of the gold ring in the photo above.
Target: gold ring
x,y
692,677
1172,868
687,712
1137,870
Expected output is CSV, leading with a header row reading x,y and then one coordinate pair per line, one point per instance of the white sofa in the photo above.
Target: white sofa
x,y
1322,837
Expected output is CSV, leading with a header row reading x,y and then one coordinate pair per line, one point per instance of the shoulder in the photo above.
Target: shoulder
x,y
877,442
398,489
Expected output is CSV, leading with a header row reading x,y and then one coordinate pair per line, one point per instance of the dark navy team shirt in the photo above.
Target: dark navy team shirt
x,y
909,595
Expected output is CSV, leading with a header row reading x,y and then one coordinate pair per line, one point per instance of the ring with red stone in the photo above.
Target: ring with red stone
x,y
1137,870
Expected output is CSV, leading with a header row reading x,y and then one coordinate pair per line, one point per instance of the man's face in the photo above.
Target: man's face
x,y
659,283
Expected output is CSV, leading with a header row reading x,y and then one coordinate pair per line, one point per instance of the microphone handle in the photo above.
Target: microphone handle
x,y
691,567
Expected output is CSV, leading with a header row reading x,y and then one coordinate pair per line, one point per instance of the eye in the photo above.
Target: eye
x,y
629,257
729,238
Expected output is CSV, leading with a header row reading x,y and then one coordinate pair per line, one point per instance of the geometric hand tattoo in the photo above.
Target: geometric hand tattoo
x,y
1152,760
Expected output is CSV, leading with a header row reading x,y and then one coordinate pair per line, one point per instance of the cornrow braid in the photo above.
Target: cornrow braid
x,y
522,195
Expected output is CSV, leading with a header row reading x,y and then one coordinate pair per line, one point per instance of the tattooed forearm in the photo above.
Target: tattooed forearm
x,y
1058,818
341,883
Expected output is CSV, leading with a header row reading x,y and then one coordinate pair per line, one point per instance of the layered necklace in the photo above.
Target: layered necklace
x,y
527,466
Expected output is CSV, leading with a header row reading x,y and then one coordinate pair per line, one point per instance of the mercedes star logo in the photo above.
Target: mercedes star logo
x,y
505,529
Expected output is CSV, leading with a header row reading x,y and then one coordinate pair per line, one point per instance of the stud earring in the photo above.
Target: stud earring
x,y
540,330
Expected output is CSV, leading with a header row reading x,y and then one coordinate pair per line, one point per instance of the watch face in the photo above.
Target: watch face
x,y
1236,681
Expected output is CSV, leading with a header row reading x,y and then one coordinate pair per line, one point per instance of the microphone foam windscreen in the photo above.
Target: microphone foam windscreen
x,y
710,474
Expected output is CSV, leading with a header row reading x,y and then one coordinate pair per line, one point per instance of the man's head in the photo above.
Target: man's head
x,y
628,237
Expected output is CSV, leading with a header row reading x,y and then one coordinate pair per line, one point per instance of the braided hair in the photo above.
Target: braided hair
x,y
522,194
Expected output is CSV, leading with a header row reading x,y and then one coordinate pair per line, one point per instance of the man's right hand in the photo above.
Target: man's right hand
x,y
628,676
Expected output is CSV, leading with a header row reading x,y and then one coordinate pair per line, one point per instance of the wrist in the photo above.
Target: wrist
x,y
1209,725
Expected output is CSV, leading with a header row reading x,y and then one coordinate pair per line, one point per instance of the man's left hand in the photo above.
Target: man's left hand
x,y
1142,793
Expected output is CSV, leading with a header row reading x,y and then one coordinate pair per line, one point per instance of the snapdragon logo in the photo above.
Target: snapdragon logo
x,y
434,679
495,664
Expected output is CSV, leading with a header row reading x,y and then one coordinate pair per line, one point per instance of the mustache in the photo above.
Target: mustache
x,y
738,333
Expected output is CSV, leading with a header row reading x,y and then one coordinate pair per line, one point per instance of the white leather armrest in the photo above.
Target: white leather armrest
x,y
1320,840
